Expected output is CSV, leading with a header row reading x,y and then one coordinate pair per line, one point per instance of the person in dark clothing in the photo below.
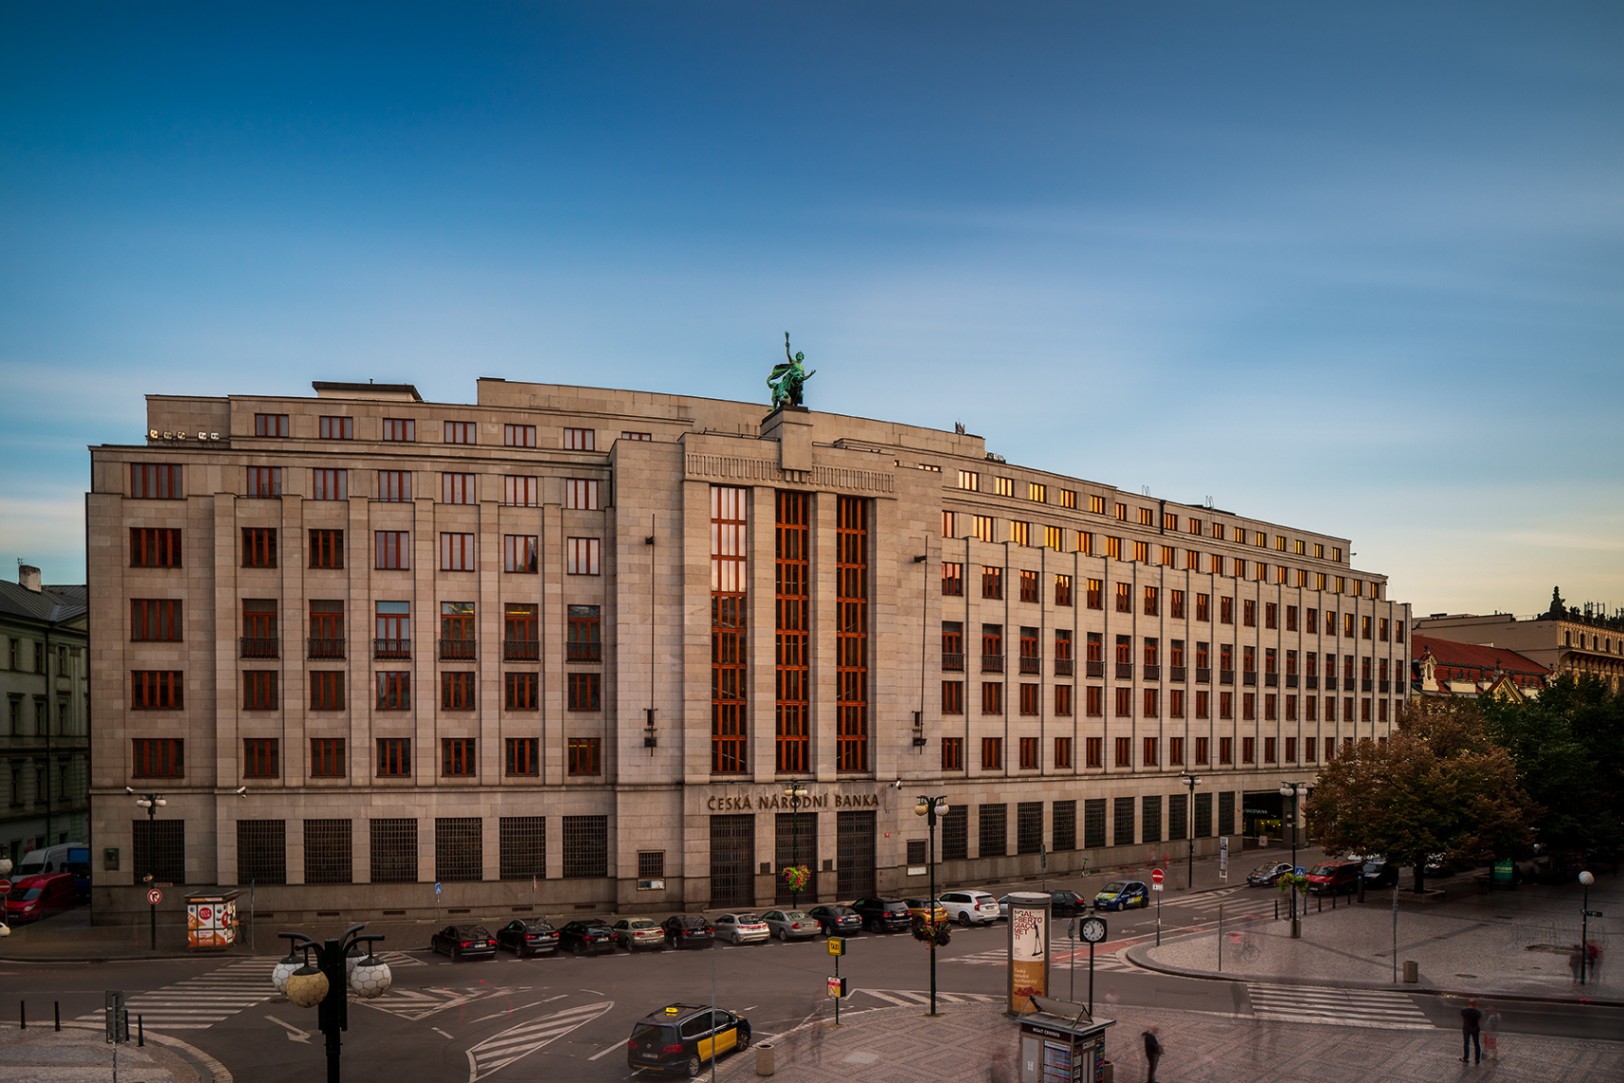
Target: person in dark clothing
x,y
1153,1053
1471,1029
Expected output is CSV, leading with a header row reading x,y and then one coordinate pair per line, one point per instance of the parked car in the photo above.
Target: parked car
x,y
1269,874
688,931
464,942
921,908
639,934
741,929
680,1038
528,936
1122,895
587,936
883,915
1334,878
41,896
970,907
1379,873
1067,904
836,920
791,924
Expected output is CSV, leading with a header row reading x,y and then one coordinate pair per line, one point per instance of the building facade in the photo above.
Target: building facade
x,y
44,686
578,648
1444,667
1575,644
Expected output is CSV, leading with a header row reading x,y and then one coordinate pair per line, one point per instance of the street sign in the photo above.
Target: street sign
x,y
1591,913
5,887
837,988
154,896
1156,876
836,945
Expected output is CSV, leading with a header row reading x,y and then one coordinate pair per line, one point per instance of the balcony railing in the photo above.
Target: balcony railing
x,y
458,650
1153,672
1124,671
1330,684
1291,680
591,651
1203,674
1226,676
1176,672
1096,668
953,661
1311,681
1271,680
391,648
1366,684
1030,664
1063,667
1249,678
521,650
258,647
325,647
992,663
1384,685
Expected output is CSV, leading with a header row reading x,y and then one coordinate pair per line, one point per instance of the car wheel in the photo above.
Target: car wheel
x,y
744,1038
695,1066
964,918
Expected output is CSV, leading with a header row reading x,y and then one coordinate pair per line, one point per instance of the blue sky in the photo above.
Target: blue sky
x,y
1352,268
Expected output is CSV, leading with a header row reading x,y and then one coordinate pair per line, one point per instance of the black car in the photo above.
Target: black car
x,y
1267,875
883,915
1380,874
528,936
688,931
680,1038
589,936
464,942
1067,904
836,920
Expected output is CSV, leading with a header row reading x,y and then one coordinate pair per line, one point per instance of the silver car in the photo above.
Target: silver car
x,y
791,924
741,929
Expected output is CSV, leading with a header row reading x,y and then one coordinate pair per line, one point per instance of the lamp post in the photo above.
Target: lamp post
x,y
330,978
797,794
1586,879
1294,790
152,802
932,809
1189,830
5,871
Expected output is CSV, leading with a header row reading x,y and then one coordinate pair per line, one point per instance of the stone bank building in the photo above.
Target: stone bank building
x,y
568,649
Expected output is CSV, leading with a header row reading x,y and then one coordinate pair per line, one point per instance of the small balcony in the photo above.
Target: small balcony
x,y
1226,676
1249,678
521,650
392,648
1203,674
1366,684
952,661
1311,681
1124,671
1031,664
325,647
458,650
583,652
1063,667
992,663
1153,672
1291,680
1271,680
1177,673
1096,668
1384,685
1330,684
258,647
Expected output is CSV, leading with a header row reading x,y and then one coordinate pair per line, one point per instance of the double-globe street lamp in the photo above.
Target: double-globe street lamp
x,y
329,973
1586,878
152,802
1295,791
798,795
932,809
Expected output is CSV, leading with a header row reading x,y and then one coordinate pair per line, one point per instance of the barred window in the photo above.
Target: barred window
x,y
956,834
262,852
994,829
458,848
1122,815
586,847
1093,823
158,851
394,851
1151,813
1065,825
261,757
457,759
327,852
522,757
1178,810
157,757
523,847
1029,827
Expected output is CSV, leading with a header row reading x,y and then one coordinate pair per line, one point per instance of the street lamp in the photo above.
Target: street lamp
x,y
797,794
152,802
1586,879
1189,830
932,809
1294,790
330,978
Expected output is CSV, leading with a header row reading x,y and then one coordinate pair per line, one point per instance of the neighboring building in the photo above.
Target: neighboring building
x,y
1443,667
1564,641
566,648
45,743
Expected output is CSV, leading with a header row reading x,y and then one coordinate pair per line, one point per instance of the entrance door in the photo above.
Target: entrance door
x,y
854,854
732,862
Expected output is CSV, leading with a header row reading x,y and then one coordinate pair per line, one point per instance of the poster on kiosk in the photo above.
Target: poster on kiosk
x,y
1029,928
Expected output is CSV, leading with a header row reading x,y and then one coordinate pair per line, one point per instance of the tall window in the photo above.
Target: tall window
x,y
582,494
992,753
1062,591
326,629
583,634
520,492
952,753
851,634
259,639
952,579
259,547
457,636
521,632
729,662
158,757
457,488
335,428
326,549
155,481
581,556
394,486
791,664
393,634
519,435
154,547
460,432
992,582
1029,586
399,429
327,483
520,553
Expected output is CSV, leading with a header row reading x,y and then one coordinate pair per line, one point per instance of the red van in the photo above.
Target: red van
x,y
1335,878
35,897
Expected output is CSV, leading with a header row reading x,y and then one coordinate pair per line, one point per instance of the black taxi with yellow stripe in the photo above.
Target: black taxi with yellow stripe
x,y
682,1038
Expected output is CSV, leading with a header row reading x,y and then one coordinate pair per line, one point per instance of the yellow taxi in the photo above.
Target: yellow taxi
x,y
681,1038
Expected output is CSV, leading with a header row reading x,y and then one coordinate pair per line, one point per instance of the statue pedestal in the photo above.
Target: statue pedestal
x,y
791,426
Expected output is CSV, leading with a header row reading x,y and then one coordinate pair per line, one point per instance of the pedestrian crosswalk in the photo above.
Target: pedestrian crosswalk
x,y
499,1050
1379,1008
909,998
200,1002
1059,956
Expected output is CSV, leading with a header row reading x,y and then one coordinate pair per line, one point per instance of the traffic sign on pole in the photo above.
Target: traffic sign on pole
x,y
154,896
5,886
1157,876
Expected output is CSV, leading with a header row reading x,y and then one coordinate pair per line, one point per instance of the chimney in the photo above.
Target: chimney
x,y
28,577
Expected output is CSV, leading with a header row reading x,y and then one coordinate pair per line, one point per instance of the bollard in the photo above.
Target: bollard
x,y
56,1010
140,1030
1411,972
766,1059
22,1013
1277,909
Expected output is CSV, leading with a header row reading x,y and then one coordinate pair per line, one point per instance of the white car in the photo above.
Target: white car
x,y
741,929
969,907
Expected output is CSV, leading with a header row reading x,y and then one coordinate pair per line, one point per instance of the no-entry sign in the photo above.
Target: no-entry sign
x,y
1156,876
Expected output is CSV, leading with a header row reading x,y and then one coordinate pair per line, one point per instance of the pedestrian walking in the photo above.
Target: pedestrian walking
x,y
1491,1031
1471,1032
1593,956
1576,962
1153,1053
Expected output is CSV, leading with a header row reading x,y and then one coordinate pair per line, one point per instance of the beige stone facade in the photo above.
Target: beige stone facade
x,y
1564,645
561,758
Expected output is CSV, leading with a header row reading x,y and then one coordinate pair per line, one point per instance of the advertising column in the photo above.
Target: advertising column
x,y
1029,929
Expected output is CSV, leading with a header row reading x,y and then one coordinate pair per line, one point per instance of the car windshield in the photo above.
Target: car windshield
x,y
1113,887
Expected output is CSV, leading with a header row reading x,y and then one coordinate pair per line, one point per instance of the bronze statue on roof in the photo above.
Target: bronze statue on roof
x,y
788,379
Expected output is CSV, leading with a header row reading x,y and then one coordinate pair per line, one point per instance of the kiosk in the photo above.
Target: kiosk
x,y
1062,1043
211,921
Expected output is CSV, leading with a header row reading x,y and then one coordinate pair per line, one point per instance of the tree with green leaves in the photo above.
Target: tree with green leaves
x,y
1568,746
1439,785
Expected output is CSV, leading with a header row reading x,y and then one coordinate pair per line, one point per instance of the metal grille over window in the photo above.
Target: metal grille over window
x,y
458,854
327,852
394,851
586,847
523,843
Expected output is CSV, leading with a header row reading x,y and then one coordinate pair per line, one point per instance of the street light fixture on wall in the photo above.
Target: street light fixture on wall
x,y
1295,791
933,809
1189,830
152,802
327,978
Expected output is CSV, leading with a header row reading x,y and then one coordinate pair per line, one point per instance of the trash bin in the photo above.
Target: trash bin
x,y
766,1058
1411,972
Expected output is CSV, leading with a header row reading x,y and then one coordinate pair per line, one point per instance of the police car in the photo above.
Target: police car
x,y
681,1038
